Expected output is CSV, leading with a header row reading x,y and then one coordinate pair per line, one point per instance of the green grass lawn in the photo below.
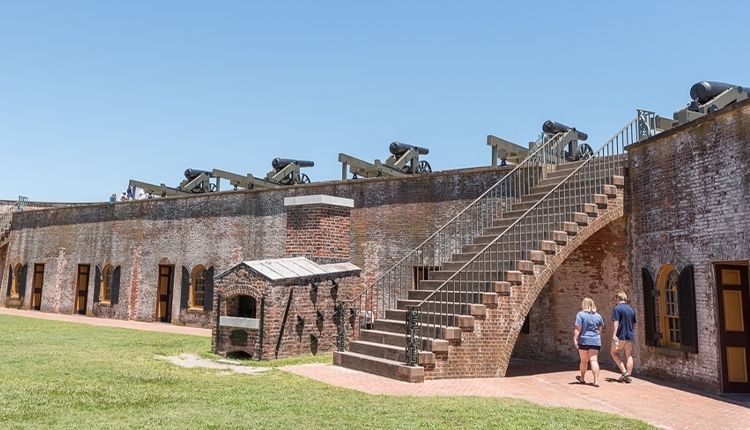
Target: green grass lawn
x,y
63,375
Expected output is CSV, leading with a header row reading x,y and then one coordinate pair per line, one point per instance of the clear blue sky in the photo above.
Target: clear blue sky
x,y
94,93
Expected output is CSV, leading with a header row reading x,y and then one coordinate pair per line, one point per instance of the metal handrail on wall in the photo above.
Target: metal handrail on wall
x,y
453,297
448,240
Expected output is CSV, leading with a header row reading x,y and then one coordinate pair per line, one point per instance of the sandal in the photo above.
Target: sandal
x,y
624,378
580,380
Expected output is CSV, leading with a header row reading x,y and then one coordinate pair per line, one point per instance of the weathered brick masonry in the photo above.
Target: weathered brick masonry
x,y
597,269
391,216
689,204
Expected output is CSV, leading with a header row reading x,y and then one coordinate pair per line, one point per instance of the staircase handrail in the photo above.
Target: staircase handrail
x,y
543,154
643,118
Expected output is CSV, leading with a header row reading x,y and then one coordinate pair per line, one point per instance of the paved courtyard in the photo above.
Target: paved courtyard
x,y
554,385
107,322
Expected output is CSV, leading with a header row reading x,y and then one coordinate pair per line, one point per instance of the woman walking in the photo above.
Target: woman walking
x,y
588,340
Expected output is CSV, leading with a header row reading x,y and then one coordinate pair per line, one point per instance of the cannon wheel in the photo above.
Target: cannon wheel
x,y
211,188
304,179
584,152
424,167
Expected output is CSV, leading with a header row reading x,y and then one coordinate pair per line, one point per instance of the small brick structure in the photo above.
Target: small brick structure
x,y
278,308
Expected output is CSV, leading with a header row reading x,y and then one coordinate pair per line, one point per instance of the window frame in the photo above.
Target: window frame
x,y
198,273
15,286
105,285
669,311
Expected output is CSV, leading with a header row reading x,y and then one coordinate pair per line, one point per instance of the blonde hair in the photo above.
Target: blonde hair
x,y
621,296
588,305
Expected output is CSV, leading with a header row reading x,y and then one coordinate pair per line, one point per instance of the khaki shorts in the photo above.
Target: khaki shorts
x,y
620,345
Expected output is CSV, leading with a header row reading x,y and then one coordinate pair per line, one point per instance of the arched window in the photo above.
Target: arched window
x,y
197,286
669,312
15,285
105,287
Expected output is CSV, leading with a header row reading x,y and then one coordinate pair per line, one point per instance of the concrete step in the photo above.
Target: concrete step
x,y
571,228
535,197
462,256
560,237
537,256
601,201
436,331
548,246
379,350
590,209
447,296
435,306
478,284
580,218
525,266
379,366
399,340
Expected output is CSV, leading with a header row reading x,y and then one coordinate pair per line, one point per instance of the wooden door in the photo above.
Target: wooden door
x,y
734,327
82,288
164,302
38,283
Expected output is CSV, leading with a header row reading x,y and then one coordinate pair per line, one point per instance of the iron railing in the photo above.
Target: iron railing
x,y
447,241
494,260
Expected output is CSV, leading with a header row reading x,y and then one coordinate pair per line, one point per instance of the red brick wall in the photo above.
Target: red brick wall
x,y
485,351
689,204
391,216
596,269
318,231
304,302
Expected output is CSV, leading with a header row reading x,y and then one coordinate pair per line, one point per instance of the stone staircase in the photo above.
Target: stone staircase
x,y
381,348
486,268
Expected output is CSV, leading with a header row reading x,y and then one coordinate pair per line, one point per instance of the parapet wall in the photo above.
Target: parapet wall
x,y
391,216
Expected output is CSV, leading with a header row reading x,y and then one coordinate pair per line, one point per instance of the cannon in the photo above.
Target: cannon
x,y
404,160
286,171
568,138
553,127
280,163
398,149
191,174
707,97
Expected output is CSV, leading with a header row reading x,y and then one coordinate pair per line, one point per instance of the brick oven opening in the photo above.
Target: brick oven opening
x,y
246,307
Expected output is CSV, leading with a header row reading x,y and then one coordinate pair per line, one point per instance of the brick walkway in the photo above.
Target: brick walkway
x,y
106,322
553,385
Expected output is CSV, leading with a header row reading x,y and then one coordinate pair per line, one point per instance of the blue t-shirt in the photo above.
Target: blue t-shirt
x,y
625,315
590,325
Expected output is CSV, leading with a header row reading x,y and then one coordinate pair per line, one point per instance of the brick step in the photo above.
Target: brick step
x,y
447,296
379,366
462,256
535,197
399,326
479,285
379,350
450,308
399,340
444,317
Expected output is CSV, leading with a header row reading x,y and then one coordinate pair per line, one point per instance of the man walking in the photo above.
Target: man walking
x,y
624,334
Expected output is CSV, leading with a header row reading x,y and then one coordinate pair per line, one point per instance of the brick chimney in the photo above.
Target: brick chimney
x,y
318,227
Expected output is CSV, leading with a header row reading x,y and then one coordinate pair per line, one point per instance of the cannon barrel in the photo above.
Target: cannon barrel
x,y
557,127
280,163
398,149
194,173
704,91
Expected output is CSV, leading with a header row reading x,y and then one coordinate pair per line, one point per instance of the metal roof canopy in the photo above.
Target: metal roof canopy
x,y
286,270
